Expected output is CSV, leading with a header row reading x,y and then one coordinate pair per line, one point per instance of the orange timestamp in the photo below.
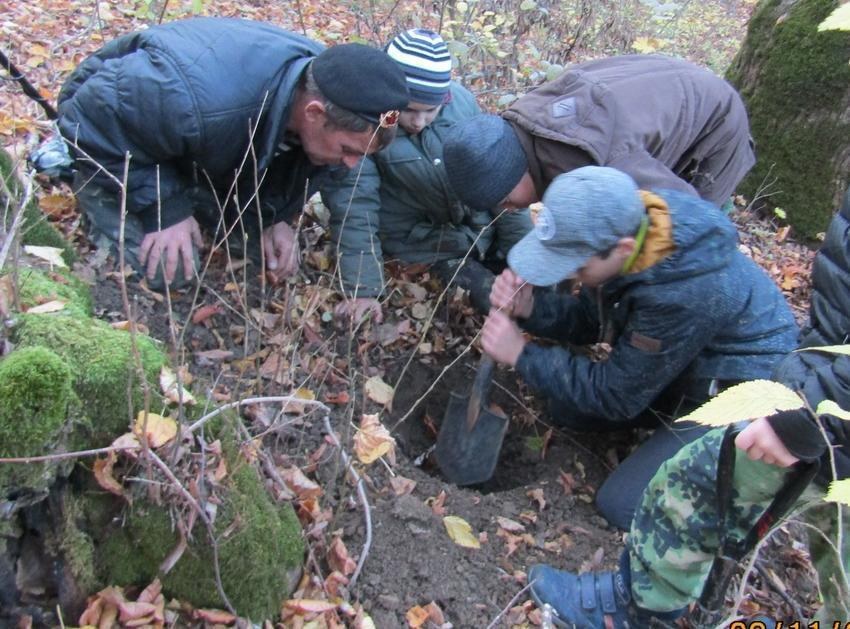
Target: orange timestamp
x,y
796,624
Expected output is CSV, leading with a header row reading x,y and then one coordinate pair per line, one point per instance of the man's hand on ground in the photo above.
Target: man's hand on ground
x,y
280,248
501,338
358,308
760,442
171,245
512,295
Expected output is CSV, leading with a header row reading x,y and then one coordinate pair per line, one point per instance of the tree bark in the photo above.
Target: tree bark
x,y
795,82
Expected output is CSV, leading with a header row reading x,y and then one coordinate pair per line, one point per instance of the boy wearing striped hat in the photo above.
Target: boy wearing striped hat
x,y
398,202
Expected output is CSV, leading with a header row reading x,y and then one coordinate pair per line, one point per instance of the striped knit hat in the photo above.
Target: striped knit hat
x,y
427,65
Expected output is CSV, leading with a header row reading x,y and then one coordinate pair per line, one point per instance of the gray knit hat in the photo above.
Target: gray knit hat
x,y
585,212
427,64
484,160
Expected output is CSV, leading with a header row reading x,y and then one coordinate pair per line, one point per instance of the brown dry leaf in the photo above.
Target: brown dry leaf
x,y
337,398
510,525
420,310
402,486
512,542
373,441
125,326
378,391
416,616
57,206
220,471
567,481
308,606
158,429
150,593
92,613
205,312
127,441
339,559
300,485
276,368
173,390
46,308
215,616
537,496
435,614
333,582
437,504
103,475
212,356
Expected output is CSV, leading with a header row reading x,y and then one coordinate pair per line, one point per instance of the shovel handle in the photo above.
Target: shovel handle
x,y
480,389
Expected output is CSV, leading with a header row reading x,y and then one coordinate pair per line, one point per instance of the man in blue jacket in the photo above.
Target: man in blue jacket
x,y
218,117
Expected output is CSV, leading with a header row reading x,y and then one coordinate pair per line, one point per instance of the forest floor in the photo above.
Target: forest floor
x,y
240,338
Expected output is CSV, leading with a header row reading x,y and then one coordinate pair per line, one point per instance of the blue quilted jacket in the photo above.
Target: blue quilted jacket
x,y
704,312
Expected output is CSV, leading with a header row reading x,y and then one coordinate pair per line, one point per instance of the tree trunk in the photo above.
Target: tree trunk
x,y
796,84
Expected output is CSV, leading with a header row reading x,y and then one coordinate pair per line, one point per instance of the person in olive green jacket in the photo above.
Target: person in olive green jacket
x,y
398,203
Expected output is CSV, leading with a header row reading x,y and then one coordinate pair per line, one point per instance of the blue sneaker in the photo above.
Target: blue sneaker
x,y
587,601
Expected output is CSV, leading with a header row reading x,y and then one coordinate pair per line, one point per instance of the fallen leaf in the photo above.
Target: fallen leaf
x,y
205,312
435,614
839,491
212,356
379,391
215,616
53,255
57,206
402,486
103,475
416,616
339,559
173,390
510,525
300,485
537,495
158,429
296,408
372,441
438,504
48,307
460,532
337,398
308,606
126,326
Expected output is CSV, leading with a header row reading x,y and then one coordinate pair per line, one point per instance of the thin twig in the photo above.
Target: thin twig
x,y
508,606
255,400
68,455
361,491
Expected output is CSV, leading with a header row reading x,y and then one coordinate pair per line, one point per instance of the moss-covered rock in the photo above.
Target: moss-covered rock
x,y
796,85
36,286
259,556
34,229
36,386
102,362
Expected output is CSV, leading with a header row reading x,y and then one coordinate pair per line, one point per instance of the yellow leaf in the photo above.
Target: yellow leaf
x,y
159,430
38,49
308,605
839,491
373,440
647,45
52,254
460,532
378,391
174,391
748,400
828,407
295,407
829,349
838,20
48,307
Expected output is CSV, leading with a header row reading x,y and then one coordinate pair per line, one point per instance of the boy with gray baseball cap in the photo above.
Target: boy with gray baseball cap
x,y
662,282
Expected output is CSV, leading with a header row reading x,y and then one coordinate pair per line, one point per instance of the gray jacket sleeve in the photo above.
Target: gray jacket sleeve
x,y
354,201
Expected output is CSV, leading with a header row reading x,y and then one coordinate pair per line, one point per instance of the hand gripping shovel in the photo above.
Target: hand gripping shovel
x,y
709,609
471,434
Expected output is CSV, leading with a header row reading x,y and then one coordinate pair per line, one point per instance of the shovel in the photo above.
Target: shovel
x,y
471,435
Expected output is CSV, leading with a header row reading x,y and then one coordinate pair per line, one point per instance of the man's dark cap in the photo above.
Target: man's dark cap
x,y
361,79
484,160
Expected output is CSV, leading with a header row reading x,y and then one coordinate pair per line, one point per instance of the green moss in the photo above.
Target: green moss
x,y
262,546
75,547
796,85
34,229
102,363
37,394
36,286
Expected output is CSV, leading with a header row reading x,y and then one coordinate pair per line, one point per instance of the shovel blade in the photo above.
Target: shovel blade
x,y
469,456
